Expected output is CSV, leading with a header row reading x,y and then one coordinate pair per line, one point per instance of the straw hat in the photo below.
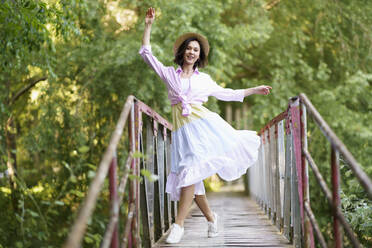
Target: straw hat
x,y
201,38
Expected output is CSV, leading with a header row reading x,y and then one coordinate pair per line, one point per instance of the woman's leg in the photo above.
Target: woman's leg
x,y
202,202
187,194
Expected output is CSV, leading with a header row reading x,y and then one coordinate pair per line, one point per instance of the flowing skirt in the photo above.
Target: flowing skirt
x,y
204,144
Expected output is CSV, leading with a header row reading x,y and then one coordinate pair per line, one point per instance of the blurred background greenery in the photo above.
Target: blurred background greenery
x,y
66,68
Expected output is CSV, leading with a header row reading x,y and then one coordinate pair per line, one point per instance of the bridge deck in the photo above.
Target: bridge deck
x,y
242,224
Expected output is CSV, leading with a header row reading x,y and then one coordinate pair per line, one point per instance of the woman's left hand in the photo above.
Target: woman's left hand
x,y
262,89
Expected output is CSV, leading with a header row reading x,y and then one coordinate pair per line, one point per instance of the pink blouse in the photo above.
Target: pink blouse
x,y
201,84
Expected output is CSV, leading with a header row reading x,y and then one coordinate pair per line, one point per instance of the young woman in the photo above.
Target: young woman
x,y
202,142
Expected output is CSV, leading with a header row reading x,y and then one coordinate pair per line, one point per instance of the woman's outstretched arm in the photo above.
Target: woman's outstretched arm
x,y
227,94
150,17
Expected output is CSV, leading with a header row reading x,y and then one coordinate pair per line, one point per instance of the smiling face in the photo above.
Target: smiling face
x,y
192,53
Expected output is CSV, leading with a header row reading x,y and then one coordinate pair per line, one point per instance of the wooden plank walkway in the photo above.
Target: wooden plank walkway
x,y
242,223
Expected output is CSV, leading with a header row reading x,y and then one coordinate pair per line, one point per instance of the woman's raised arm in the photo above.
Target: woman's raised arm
x,y
150,17
146,52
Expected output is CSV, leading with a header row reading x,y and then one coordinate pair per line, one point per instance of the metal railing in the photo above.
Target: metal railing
x,y
280,182
156,211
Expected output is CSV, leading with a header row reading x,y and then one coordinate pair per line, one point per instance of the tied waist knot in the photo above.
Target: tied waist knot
x,y
185,104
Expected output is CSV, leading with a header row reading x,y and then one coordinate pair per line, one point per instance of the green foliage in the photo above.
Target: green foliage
x,y
358,213
90,58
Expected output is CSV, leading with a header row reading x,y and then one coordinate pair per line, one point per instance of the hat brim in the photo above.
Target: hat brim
x,y
182,38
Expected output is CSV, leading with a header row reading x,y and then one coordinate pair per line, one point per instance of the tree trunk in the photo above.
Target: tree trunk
x,y
11,137
11,147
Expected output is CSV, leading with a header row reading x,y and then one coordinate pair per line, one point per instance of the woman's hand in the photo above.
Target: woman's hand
x,y
150,16
262,90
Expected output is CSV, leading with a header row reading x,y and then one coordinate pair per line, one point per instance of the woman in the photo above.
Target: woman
x,y
202,142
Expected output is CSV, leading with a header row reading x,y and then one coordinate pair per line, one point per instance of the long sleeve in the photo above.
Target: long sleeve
x,y
153,62
226,94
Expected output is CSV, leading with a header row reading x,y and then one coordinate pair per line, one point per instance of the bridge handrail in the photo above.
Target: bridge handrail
x,y
338,145
280,184
132,110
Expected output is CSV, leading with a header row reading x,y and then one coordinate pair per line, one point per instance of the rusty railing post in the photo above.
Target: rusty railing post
x,y
297,153
168,212
138,126
132,150
308,231
114,199
157,219
336,195
281,172
277,179
287,181
135,126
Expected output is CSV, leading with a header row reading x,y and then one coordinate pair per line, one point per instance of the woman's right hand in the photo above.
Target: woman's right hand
x,y
150,16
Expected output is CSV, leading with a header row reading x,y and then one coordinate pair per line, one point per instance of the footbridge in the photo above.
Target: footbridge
x,y
277,212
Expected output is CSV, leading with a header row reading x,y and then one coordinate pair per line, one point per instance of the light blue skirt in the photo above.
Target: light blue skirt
x,y
204,144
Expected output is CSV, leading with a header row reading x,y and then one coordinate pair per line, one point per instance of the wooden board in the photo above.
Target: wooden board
x,y
242,223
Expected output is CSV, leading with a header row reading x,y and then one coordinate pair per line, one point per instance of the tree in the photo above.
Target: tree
x,y
67,68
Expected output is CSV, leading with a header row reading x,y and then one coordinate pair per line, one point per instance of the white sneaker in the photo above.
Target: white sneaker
x,y
212,227
175,234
